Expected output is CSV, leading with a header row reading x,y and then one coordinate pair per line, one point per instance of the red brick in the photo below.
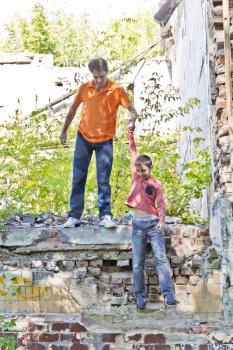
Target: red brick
x,y
79,347
28,338
49,337
60,326
106,347
154,339
69,336
203,347
188,347
135,337
109,337
35,346
77,327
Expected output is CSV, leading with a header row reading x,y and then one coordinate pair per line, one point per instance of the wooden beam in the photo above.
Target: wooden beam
x,y
228,79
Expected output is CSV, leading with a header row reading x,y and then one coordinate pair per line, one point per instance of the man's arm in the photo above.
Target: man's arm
x,y
69,117
132,118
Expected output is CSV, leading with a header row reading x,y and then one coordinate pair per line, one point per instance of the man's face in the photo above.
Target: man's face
x,y
100,78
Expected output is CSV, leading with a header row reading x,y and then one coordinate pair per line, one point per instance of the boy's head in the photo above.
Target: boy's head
x,y
99,69
143,166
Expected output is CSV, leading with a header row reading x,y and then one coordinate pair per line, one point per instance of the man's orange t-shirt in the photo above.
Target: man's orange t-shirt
x,y
99,110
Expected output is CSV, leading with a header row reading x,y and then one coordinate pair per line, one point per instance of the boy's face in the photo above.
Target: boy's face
x,y
100,78
143,170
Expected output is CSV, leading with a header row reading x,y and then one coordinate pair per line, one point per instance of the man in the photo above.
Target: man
x,y
100,100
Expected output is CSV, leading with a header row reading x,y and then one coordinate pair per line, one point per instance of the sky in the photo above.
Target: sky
x,y
100,11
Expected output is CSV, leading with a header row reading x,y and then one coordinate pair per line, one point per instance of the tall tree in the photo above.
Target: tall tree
x,y
40,40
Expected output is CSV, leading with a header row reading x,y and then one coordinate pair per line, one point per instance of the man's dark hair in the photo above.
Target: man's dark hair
x,y
143,158
98,64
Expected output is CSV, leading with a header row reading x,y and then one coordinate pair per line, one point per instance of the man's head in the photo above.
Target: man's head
x,y
143,166
99,69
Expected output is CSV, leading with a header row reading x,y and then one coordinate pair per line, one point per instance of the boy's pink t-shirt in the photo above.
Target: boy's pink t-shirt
x,y
152,204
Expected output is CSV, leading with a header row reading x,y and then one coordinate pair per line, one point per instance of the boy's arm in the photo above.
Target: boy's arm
x,y
133,152
161,207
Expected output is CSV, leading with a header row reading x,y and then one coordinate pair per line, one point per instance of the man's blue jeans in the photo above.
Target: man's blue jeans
x,y
82,157
145,228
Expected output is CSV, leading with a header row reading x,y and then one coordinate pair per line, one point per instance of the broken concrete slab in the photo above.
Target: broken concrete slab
x,y
23,237
97,235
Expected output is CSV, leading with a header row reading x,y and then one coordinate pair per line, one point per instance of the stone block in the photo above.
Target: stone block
x,y
51,266
104,287
193,280
182,280
94,271
154,280
186,271
96,263
116,278
176,271
105,277
177,261
149,263
36,264
197,261
123,263
67,265
119,300
80,272
81,263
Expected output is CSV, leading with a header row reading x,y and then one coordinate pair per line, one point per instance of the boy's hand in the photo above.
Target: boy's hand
x,y
160,226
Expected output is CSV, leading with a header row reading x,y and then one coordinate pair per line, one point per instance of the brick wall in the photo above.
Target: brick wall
x,y
40,332
221,127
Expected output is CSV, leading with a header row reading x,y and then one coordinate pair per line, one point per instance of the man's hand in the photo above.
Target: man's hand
x,y
131,125
160,226
63,137
132,118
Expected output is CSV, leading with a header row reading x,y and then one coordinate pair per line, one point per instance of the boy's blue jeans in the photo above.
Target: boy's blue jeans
x,y
145,228
82,157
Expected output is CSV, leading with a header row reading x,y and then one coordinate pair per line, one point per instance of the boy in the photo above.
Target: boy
x,y
148,222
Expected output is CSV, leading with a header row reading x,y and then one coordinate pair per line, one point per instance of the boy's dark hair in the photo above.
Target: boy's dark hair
x,y
98,64
143,158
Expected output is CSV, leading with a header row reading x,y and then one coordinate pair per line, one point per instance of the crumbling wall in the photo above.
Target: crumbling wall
x,y
221,215
59,270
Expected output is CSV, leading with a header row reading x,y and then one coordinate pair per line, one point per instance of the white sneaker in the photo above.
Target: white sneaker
x,y
71,222
107,222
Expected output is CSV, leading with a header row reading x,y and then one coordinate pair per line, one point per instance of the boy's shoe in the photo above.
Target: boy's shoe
x,y
71,223
170,303
107,222
140,301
